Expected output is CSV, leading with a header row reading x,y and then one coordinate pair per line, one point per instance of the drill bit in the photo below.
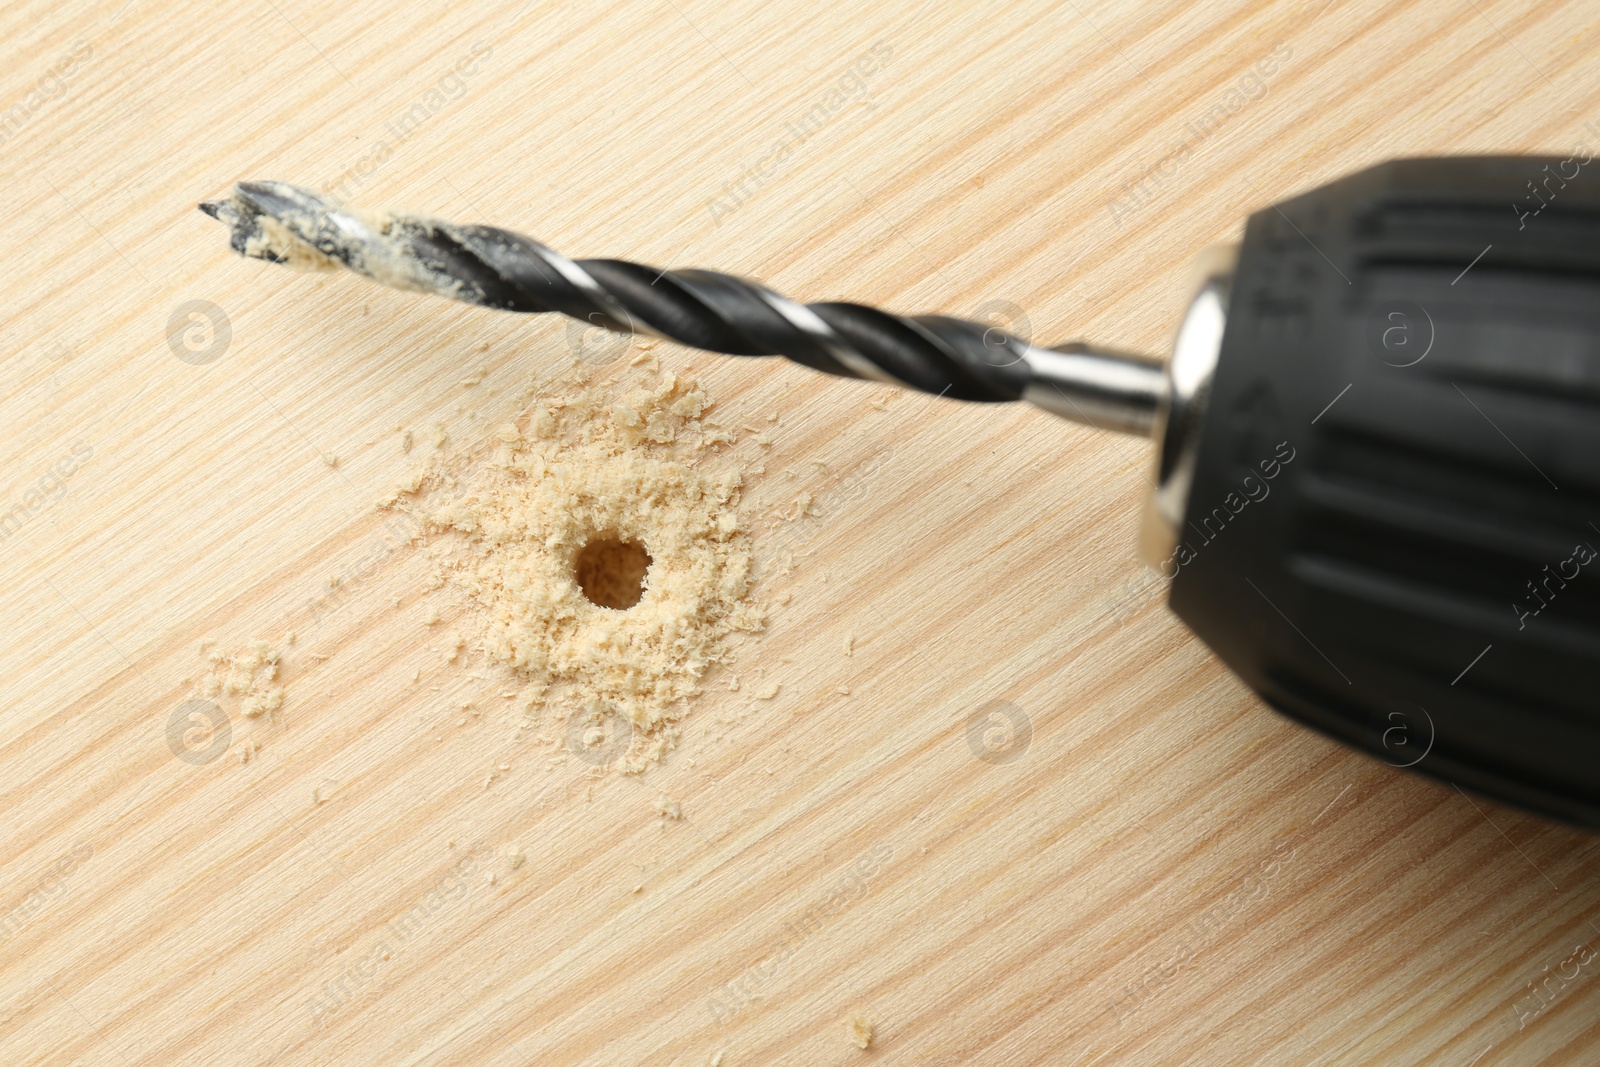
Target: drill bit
x,y
495,268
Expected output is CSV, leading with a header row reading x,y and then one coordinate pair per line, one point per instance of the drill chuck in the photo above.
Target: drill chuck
x,y
1390,499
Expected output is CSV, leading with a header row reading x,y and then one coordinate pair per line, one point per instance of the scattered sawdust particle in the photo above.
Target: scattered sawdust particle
x,y
245,750
406,441
638,889
439,437
289,640
468,383
668,809
250,674
861,1030
330,459
849,644
843,690
785,596
716,1059
733,683
772,416
611,460
515,857
416,675
767,692
260,704
431,618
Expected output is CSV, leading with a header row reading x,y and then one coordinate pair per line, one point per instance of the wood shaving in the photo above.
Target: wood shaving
x,y
861,1030
605,461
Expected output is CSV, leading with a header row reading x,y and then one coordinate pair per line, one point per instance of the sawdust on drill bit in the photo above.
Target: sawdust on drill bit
x,y
272,240
377,243
609,465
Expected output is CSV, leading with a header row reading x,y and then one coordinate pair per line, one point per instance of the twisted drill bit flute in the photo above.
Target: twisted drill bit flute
x,y
496,268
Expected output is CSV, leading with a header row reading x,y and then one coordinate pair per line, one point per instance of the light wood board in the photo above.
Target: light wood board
x,y
1168,873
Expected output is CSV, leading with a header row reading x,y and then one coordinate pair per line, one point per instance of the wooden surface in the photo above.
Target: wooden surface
x,y
1166,873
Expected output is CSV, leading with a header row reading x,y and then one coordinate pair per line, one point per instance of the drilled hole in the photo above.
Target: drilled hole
x,y
611,571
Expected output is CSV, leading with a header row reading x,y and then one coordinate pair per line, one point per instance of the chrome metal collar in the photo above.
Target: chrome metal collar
x,y
1179,419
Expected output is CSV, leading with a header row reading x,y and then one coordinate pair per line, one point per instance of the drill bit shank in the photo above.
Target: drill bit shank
x,y
496,268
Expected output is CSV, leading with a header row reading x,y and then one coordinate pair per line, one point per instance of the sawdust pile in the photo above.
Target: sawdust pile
x,y
591,500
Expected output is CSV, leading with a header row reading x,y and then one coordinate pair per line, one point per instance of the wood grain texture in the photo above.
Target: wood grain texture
x,y
1167,874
